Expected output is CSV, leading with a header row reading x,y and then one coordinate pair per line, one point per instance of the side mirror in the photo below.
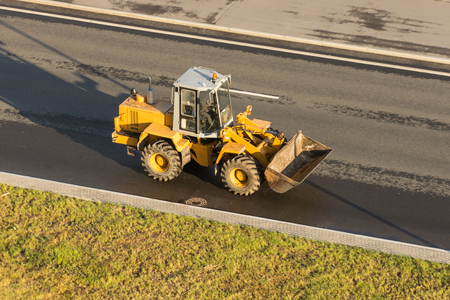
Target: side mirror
x,y
249,110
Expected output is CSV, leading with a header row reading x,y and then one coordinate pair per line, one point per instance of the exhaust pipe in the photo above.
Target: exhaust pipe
x,y
150,92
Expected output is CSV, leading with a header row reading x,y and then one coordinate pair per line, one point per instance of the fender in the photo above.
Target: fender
x,y
156,131
230,148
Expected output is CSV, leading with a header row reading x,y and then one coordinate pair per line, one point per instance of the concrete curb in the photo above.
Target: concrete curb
x,y
326,235
286,38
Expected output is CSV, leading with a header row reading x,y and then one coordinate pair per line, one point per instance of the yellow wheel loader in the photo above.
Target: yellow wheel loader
x,y
197,123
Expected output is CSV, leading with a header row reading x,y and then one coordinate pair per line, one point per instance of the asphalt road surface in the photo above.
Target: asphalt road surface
x,y
61,83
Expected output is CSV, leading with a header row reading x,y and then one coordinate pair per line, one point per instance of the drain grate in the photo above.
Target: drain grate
x,y
196,202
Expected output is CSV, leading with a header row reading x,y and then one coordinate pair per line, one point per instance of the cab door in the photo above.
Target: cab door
x,y
188,110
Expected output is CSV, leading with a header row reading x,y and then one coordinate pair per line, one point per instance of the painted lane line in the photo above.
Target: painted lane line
x,y
254,94
239,31
221,41
309,232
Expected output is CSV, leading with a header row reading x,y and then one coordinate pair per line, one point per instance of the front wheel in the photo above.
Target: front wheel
x,y
241,175
161,161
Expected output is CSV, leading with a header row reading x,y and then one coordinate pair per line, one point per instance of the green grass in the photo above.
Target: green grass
x,y
56,247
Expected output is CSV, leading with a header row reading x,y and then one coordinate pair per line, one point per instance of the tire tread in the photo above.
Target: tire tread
x,y
163,147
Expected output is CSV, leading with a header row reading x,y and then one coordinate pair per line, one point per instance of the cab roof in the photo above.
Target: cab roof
x,y
199,78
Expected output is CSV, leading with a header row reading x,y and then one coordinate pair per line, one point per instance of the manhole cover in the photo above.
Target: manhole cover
x,y
196,202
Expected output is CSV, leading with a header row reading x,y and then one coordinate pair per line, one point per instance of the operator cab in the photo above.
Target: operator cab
x,y
202,105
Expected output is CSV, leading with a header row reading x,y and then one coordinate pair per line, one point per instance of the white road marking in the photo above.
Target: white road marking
x,y
254,94
242,44
239,31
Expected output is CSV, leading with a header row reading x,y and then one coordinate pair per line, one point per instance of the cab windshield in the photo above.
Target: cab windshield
x,y
215,109
208,113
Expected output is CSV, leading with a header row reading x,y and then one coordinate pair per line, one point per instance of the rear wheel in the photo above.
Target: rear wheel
x,y
241,175
161,161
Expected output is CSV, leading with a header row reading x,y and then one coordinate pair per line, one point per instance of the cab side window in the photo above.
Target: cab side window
x,y
188,110
188,103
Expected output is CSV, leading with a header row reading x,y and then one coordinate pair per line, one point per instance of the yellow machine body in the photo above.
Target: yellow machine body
x,y
139,123
251,137
135,114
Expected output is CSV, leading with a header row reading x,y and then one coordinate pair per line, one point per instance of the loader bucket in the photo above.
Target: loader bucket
x,y
294,162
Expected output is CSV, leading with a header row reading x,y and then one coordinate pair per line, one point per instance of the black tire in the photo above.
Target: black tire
x,y
241,175
260,171
161,161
